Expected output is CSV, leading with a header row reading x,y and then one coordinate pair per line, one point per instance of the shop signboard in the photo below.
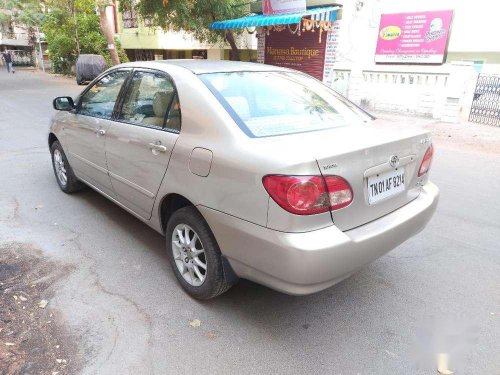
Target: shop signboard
x,y
283,6
305,52
414,38
332,41
261,47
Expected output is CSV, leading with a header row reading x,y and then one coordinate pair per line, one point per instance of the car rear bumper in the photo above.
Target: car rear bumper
x,y
304,263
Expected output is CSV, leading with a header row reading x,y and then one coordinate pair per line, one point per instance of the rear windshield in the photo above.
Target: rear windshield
x,y
276,103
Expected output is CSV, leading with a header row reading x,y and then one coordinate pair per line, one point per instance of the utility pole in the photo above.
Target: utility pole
x,y
107,30
40,48
75,23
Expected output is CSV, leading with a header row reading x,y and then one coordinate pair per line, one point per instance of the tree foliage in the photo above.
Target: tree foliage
x,y
71,25
28,13
193,16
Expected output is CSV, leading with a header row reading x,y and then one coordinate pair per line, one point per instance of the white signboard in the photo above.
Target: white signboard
x,y
261,47
332,41
283,6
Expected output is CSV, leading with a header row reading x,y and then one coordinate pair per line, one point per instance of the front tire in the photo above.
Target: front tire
x,y
194,255
65,177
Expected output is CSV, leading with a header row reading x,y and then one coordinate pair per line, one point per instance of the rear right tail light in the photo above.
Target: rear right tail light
x,y
308,195
426,162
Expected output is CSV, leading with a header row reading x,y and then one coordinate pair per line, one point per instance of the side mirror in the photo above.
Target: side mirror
x,y
63,103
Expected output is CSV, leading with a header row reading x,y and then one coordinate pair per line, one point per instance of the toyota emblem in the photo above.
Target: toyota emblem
x,y
394,161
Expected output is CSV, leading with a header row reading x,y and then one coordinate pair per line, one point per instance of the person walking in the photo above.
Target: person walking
x,y
8,61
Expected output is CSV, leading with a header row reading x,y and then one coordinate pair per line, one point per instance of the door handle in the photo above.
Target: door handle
x,y
100,132
157,147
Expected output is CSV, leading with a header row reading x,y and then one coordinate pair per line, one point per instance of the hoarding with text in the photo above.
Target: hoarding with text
x,y
414,38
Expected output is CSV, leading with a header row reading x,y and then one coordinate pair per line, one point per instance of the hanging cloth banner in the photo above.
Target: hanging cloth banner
x,y
270,7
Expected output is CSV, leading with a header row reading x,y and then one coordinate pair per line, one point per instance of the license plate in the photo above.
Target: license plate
x,y
385,185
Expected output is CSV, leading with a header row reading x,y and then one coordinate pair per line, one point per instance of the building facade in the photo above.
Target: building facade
x,y
143,42
443,91
411,57
17,40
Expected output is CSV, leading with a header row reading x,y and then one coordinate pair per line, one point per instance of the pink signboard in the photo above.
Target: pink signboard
x,y
413,38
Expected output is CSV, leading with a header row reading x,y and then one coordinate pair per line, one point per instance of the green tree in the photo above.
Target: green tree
x,y
28,13
193,16
71,28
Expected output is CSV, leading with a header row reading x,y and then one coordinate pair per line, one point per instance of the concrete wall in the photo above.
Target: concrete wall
x,y
444,91
474,29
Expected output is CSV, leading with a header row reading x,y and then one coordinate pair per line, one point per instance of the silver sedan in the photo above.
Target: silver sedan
x,y
250,171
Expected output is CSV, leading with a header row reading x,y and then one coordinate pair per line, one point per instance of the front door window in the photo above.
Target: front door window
x,y
100,100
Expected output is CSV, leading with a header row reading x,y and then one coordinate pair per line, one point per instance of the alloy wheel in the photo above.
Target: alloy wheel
x,y
60,167
189,255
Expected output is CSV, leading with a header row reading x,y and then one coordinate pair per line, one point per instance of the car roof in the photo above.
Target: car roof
x,y
198,66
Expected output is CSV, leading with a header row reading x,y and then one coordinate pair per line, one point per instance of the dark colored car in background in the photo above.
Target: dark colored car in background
x,y
89,67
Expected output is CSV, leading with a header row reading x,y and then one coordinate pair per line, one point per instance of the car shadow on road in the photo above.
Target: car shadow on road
x,y
260,305
254,304
149,239
363,306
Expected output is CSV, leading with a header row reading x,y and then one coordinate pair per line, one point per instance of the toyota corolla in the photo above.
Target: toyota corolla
x,y
249,171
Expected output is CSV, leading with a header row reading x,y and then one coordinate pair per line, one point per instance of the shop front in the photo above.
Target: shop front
x,y
305,40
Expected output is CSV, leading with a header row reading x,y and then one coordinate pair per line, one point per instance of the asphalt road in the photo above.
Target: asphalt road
x,y
438,292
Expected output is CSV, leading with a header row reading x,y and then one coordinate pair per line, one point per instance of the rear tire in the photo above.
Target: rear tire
x,y
79,79
65,177
191,244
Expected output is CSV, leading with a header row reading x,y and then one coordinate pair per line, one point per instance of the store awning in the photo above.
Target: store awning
x,y
320,14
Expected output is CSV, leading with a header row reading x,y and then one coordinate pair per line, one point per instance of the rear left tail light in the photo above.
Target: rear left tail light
x,y
308,195
426,162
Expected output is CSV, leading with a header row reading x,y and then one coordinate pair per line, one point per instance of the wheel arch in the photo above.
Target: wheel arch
x,y
169,204
52,138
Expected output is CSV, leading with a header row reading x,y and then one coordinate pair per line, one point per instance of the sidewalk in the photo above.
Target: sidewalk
x,y
464,136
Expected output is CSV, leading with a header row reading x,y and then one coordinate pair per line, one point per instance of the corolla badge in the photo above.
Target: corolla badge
x,y
394,161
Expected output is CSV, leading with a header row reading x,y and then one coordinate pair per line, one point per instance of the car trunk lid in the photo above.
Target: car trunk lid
x,y
362,155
